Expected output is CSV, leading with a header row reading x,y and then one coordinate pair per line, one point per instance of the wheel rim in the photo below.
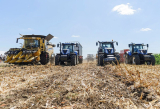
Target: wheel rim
x,y
133,60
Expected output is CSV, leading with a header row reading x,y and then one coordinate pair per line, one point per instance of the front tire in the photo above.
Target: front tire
x,y
73,60
135,60
44,58
152,60
101,60
57,60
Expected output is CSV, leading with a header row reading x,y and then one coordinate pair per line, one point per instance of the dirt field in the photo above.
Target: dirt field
x,y
82,86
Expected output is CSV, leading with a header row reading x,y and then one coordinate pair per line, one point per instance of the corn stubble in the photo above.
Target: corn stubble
x,y
82,86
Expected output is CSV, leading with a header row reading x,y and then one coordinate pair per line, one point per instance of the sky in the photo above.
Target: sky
x,y
85,21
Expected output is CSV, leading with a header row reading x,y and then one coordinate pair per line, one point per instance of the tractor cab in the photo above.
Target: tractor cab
x,y
138,48
67,48
107,47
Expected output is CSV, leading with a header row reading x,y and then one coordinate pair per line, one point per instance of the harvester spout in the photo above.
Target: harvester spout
x,y
49,37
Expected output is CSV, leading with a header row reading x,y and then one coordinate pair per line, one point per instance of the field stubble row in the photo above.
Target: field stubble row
x,y
82,86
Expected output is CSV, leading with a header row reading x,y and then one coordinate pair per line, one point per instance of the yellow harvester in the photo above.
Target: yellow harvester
x,y
36,48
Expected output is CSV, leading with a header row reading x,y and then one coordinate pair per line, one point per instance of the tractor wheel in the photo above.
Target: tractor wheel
x,y
73,60
57,60
152,60
80,61
101,60
135,60
44,58
62,62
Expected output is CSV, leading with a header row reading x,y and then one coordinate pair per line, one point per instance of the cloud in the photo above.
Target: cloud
x,y
30,29
56,37
75,36
125,9
145,29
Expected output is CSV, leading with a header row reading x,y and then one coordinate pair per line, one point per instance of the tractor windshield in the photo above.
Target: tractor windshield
x,y
67,46
137,47
31,43
107,45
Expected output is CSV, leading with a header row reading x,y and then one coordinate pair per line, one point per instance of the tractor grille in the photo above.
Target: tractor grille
x,y
109,50
64,51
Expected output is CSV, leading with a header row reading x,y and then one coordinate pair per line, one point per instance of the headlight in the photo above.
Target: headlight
x,y
106,50
67,52
112,51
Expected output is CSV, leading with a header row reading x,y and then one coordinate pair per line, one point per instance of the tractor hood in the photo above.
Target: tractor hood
x,y
108,50
142,51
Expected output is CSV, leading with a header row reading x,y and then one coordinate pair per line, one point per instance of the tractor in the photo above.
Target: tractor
x,y
70,52
137,55
106,53
36,48
90,57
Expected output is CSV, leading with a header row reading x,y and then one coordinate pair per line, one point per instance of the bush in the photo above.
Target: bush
x,y
157,58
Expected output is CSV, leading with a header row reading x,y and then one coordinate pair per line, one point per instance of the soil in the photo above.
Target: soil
x,y
80,87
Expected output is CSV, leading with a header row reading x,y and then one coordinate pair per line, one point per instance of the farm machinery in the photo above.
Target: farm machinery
x,y
70,52
137,54
90,57
36,48
106,53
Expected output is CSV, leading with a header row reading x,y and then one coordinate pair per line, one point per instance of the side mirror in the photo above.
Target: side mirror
x,y
57,45
53,45
76,45
128,45
43,40
96,43
147,45
17,40
117,43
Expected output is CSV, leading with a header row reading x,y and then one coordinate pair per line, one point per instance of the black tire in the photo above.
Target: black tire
x,y
80,61
135,59
62,62
57,60
44,58
101,60
152,60
73,60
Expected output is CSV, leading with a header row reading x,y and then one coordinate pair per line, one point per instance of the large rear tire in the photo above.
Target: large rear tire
x,y
152,60
57,60
44,58
136,60
73,60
